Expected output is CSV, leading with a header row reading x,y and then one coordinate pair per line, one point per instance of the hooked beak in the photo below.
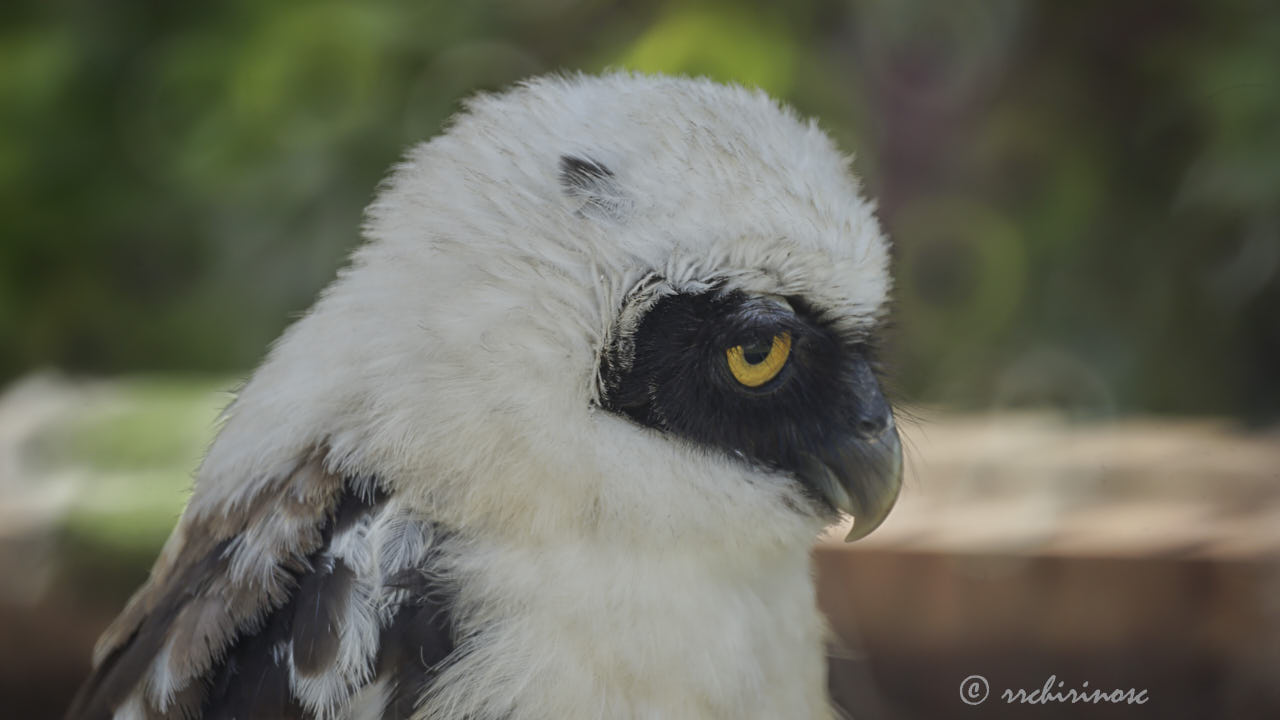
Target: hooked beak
x,y
859,476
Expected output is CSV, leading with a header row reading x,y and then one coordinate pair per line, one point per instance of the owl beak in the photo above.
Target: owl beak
x,y
860,476
858,470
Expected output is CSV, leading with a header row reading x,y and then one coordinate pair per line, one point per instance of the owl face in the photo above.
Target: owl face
x,y
766,380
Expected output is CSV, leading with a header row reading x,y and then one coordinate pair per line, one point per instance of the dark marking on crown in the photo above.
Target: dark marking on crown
x,y
595,186
581,174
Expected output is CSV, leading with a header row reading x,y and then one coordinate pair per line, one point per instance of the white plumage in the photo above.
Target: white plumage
x,y
595,568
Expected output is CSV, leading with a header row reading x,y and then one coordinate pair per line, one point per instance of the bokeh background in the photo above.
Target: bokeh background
x,y
1085,201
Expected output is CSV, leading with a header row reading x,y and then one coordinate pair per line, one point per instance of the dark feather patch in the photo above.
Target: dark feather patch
x,y
416,643
581,173
321,603
594,184
253,682
358,503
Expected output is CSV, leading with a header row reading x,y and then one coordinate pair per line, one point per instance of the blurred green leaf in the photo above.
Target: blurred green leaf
x,y
723,43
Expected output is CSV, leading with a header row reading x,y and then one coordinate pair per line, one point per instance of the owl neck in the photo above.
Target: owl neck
x,y
635,633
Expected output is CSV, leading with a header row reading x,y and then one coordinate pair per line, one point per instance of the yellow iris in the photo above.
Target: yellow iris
x,y
755,374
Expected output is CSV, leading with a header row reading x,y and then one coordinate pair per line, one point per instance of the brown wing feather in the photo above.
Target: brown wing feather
x,y
196,604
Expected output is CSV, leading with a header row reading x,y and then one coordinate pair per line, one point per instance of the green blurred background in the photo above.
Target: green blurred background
x,y
1085,196
1084,199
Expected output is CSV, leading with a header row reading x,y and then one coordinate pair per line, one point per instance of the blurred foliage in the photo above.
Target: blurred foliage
x,y
1085,196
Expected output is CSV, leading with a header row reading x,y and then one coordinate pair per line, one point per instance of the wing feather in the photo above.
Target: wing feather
x,y
416,643
277,610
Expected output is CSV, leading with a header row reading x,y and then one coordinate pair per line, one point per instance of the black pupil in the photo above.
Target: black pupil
x,y
755,353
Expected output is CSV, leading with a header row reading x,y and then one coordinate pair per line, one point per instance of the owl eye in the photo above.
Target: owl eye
x,y
755,364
